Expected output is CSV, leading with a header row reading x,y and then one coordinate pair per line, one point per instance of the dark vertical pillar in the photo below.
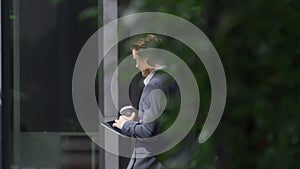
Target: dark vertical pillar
x,y
100,89
0,83
6,71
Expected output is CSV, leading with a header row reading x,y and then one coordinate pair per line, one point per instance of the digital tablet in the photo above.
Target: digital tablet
x,y
116,130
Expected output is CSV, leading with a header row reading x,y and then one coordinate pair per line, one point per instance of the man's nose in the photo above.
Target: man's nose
x,y
136,65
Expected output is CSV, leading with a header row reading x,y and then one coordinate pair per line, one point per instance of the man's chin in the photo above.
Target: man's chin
x,y
145,72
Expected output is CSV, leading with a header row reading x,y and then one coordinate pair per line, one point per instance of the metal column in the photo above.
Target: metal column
x,y
111,141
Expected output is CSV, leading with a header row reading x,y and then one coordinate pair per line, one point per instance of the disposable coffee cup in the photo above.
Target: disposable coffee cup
x,y
127,111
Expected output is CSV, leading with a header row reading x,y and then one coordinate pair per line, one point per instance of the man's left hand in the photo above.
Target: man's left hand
x,y
122,119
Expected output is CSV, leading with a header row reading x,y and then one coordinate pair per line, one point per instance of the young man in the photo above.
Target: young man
x,y
153,108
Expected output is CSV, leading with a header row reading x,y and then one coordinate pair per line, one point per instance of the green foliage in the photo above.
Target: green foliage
x,y
257,41
88,13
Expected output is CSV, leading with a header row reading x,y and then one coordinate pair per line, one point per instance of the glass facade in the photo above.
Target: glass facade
x,y
47,37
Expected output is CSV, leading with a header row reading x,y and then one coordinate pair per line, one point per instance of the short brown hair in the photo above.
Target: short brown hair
x,y
146,41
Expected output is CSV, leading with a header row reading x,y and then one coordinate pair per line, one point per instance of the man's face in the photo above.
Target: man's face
x,y
141,63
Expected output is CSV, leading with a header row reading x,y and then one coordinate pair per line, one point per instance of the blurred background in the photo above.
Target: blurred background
x,y
258,44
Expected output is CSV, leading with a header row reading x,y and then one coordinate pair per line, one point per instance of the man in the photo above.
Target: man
x,y
155,112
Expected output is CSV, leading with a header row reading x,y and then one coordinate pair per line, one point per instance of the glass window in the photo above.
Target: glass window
x,y
47,38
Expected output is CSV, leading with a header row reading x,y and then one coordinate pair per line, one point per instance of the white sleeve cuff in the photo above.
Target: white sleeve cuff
x,y
123,124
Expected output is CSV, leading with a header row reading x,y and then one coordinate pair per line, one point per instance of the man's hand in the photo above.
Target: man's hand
x,y
122,119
